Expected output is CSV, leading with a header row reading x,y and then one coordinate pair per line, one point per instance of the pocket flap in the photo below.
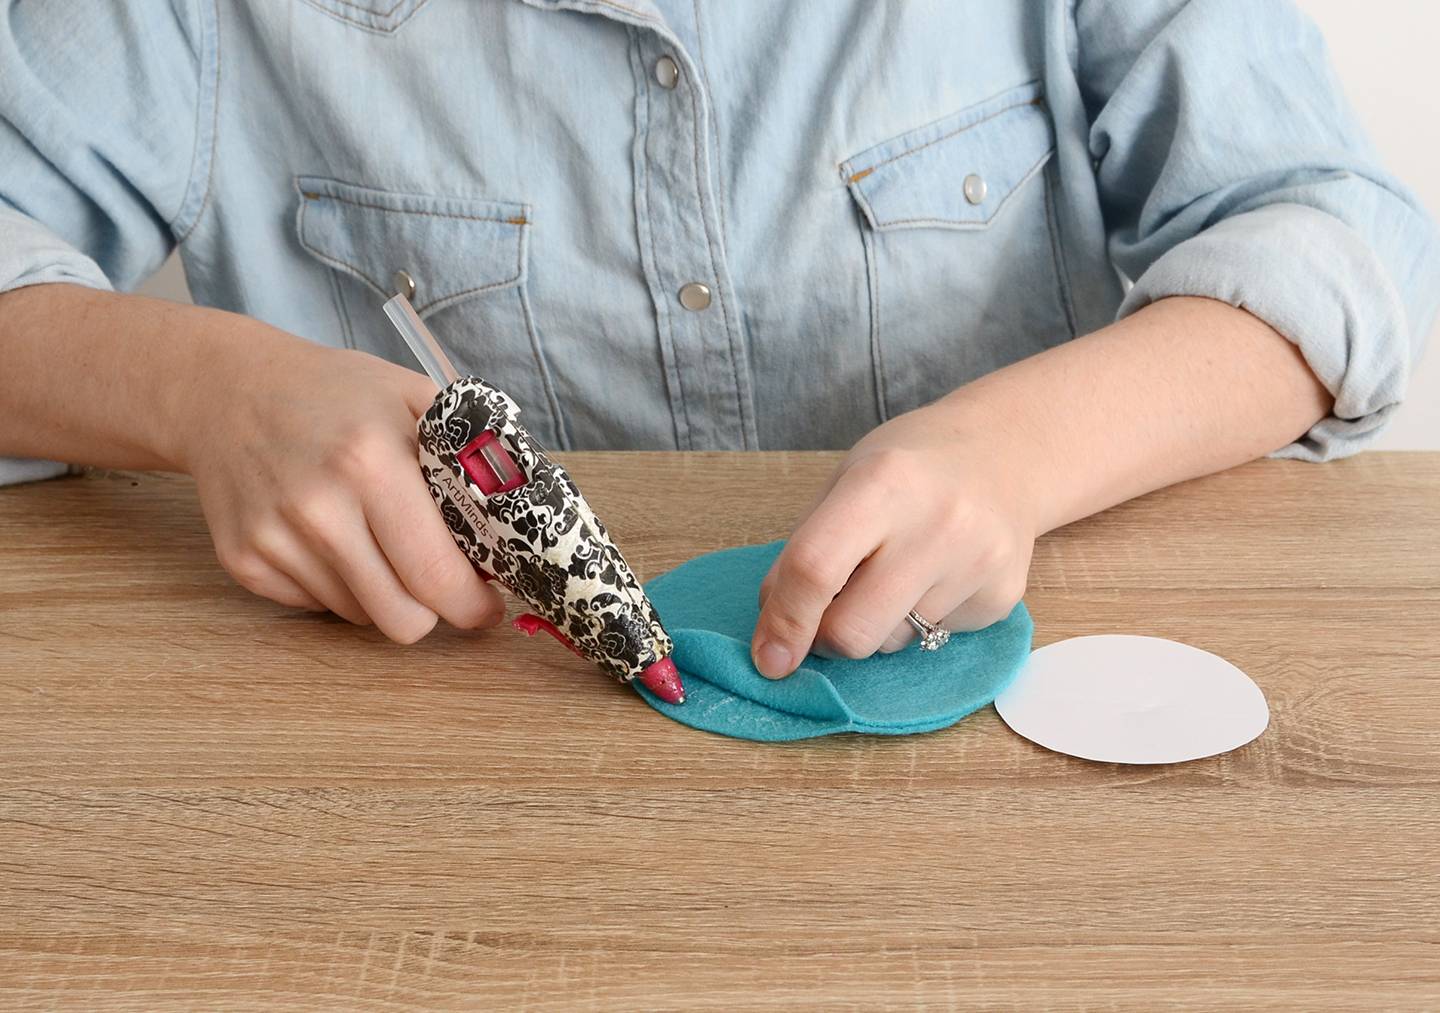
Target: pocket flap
x,y
919,179
383,16
453,247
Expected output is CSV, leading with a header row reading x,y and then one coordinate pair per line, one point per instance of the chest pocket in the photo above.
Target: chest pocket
x,y
964,271
382,16
468,259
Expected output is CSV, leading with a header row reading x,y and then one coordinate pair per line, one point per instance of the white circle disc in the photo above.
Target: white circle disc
x,y
1125,699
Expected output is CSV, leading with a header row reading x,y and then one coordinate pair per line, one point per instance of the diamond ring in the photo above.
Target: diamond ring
x,y
932,635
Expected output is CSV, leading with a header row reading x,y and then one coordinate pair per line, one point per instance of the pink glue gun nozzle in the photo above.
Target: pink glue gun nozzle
x,y
661,677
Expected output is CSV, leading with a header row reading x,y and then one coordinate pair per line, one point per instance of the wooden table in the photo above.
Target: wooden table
x,y
209,801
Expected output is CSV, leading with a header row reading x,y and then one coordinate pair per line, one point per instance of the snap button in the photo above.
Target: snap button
x,y
667,72
404,284
975,189
695,296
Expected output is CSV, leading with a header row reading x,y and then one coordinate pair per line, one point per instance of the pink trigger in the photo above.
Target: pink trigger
x,y
531,624
490,465
661,677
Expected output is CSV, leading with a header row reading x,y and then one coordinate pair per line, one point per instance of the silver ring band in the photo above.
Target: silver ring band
x,y
932,635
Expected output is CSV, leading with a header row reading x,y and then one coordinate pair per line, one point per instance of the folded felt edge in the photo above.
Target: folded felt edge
x,y
814,729
842,712
853,724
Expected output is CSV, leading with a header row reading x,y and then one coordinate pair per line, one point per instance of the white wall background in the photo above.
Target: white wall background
x,y
1384,51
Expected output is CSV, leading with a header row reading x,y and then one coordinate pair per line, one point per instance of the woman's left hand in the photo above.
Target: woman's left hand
x,y
924,514
938,510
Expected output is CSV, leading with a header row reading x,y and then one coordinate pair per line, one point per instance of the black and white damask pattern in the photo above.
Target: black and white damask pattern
x,y
541,540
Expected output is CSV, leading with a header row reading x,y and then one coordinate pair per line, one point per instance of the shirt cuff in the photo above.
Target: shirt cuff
x,y
1319,284
30,254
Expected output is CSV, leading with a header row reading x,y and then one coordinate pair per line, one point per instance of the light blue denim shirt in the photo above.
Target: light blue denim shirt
x,y
881,200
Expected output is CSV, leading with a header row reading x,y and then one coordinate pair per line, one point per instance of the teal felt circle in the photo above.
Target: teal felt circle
x,y
710,605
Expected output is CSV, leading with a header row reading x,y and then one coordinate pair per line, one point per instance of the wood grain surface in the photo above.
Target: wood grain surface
x,y
208,801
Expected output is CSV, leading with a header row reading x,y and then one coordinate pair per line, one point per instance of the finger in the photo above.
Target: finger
x,y
814,565
962,608
418,391
285,591
256,574
359,561
985,607
413,536
935,605
334,526
1006,576
876,597
899,637
819,497
288,553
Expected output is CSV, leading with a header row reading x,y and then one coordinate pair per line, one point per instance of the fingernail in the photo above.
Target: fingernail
x,y
492,617
772,660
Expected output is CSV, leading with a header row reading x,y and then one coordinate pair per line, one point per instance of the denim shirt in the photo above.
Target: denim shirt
x,y
703,225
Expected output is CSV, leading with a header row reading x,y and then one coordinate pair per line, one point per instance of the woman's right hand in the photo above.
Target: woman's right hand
x,y
305,461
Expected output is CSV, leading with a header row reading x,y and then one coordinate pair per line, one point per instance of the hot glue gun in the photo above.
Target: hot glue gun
x,y
522,521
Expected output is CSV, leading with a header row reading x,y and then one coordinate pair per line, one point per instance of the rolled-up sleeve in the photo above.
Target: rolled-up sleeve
x,y
104,145
1231,167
